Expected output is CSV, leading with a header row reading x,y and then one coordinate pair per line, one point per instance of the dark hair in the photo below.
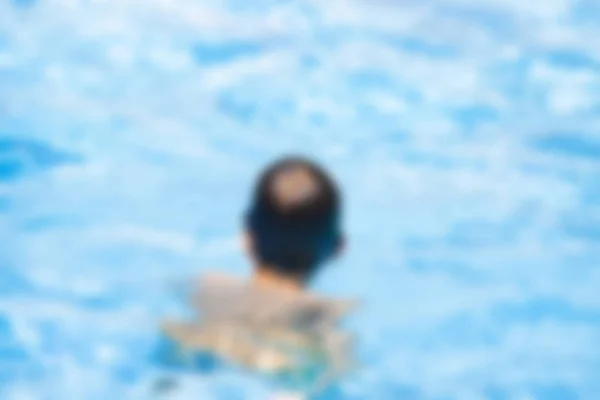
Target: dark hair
x,y
294,239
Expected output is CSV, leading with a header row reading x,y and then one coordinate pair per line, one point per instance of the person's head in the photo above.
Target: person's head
x,y
293,223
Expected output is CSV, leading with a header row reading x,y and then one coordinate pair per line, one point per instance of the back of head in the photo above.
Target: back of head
x,y
294,218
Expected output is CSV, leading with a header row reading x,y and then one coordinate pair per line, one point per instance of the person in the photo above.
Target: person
x,y
272,323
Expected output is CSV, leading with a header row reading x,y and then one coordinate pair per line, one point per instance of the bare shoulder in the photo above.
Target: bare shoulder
x,y
267,330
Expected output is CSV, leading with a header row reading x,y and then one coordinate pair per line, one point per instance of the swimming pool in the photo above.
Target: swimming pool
x,y
465,136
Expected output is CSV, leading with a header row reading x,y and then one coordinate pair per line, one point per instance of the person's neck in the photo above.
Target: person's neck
x,y
266,278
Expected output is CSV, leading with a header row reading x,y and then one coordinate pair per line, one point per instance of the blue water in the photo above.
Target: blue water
x,y
465,134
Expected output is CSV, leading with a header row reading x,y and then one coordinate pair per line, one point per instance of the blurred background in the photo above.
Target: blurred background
x,y
465,134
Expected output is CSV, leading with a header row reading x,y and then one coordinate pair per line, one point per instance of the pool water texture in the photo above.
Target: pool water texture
x,y
465,136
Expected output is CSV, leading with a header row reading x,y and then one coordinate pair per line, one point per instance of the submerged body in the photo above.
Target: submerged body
x,y
291,337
